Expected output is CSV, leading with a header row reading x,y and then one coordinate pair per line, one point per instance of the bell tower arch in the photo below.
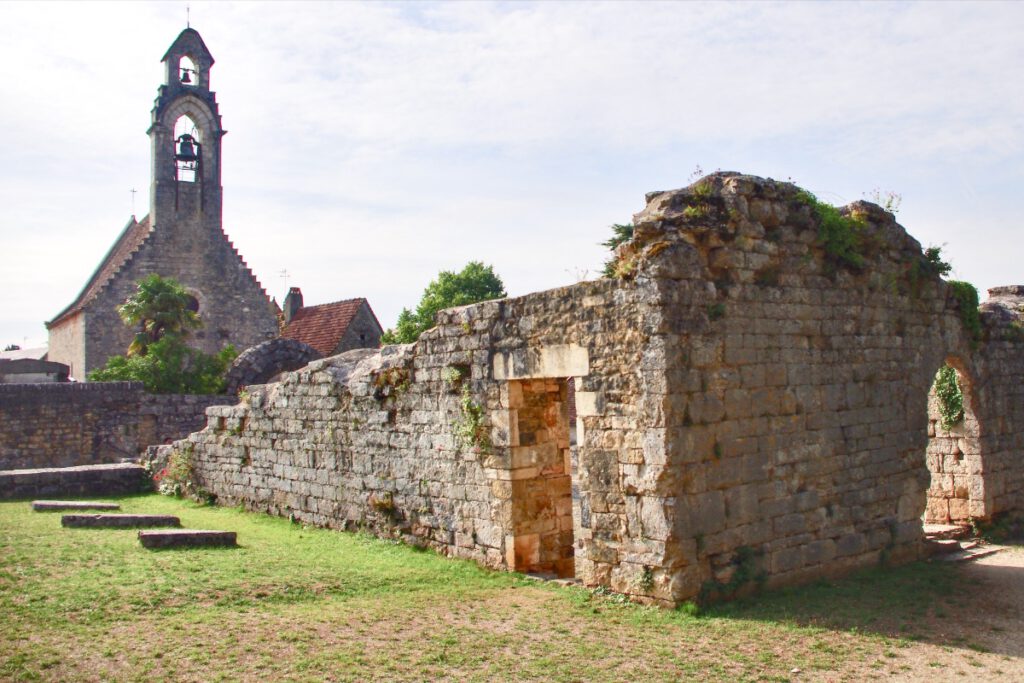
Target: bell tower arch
x,y
185,137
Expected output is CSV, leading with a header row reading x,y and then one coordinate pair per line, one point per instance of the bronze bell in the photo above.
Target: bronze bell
x,y
185,78
186,150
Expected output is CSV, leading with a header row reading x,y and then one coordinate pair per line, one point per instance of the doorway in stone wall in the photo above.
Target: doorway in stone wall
x,y
956,494
542,475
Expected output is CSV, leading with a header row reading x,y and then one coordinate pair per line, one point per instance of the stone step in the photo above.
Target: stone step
x,y
64,505
942,546
973,552
946,531
187,538
118,521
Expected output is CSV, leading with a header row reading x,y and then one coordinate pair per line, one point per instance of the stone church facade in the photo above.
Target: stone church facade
x,y
182,237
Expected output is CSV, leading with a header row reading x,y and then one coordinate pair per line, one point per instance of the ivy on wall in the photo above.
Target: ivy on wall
x,y
951,397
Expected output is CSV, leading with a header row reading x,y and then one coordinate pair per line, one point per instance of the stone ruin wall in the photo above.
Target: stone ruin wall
x,y
747,406
371,438
68,424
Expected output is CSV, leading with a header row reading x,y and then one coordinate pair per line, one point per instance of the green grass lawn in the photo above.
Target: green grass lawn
x,y
297,603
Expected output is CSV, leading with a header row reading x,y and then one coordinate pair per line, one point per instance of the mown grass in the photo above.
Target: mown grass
x,y
295,603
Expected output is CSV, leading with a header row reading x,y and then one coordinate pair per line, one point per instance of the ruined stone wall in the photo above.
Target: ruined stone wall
x,y
997,398
751,406
798,414
67,424
384,439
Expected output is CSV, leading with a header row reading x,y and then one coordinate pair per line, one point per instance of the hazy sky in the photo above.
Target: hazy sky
x,y
372,145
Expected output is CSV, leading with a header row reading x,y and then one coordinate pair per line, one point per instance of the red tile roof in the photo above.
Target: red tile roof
x,y
323,326
132,237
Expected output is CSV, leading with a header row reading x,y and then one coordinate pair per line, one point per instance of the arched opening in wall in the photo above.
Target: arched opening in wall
x,y
187,149
543,469
956,493
187,73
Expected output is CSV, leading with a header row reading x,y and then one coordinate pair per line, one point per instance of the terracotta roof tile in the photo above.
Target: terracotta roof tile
x,y
323,326
132,237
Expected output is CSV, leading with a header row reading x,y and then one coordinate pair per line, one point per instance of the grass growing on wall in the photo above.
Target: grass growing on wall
x,y
296,603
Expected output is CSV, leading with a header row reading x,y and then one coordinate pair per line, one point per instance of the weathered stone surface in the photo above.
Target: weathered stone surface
x,y
62,505
119,521
259,364
69,424
744,398
87,480
187,538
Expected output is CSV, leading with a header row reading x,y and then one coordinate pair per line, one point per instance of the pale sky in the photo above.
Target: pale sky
x,y
371,145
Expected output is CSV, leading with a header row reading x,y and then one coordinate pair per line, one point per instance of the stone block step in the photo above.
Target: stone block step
x,y
946,531
64,505
119,521
187,538
974,552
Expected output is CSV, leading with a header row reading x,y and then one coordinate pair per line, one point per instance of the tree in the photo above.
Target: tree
x,y
621,233
165,315
159,307
476,282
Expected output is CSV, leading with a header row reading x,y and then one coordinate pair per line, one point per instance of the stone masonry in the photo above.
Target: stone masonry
x,y
748,409
68,424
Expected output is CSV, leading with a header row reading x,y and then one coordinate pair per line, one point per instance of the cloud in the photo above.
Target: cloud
x,y
372,144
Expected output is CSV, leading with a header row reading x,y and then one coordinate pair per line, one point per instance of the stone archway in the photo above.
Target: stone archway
x,y
956,494
259,364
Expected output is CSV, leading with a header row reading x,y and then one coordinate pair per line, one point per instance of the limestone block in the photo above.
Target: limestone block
x,y
655,521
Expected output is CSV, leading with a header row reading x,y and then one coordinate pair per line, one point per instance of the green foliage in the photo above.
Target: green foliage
x,y
933,263
716,311
966,295
170,367
471,430
646,583
392,381
842,237
159,356
178,478
621,233
160,306
1004,528
951,397
476,282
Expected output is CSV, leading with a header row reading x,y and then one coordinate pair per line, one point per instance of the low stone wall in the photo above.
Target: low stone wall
x,y
67,424
90,480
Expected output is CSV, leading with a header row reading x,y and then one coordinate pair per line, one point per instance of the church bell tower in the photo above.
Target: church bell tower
x,y
186,139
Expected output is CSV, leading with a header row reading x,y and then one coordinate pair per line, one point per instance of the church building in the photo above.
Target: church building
x,y
182,237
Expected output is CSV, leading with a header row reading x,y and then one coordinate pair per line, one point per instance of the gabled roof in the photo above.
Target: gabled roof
x,y
132,237
323,326
188,40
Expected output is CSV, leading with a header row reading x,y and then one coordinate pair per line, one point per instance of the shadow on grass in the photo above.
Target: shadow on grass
x,y
963,605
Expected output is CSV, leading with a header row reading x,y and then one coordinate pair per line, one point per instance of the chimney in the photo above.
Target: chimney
x,y
292,303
